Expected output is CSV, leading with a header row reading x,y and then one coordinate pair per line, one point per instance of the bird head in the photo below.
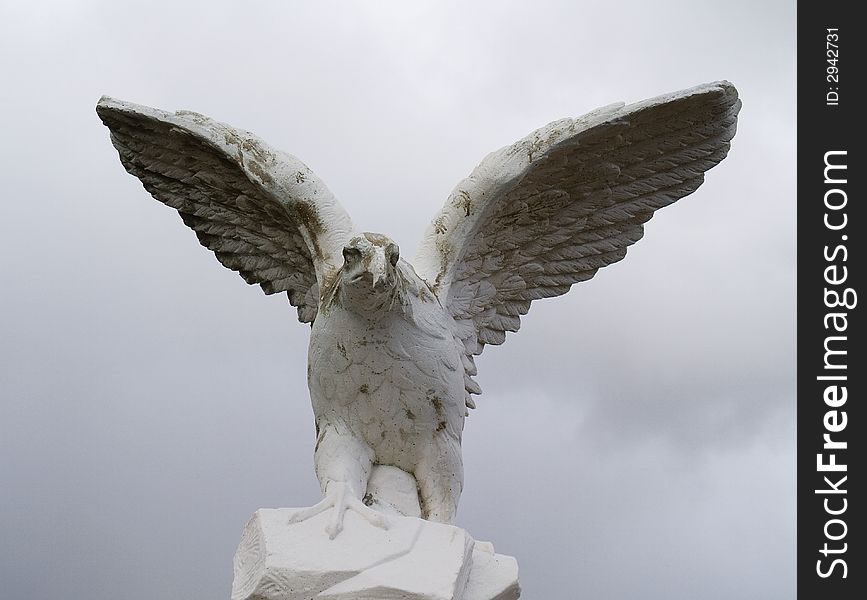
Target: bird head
x,y
370,276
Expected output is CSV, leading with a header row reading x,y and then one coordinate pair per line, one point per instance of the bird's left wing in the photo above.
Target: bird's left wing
x,y
262,212
549,211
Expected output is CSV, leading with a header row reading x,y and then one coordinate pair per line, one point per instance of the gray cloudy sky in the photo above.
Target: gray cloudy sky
x,y
635,439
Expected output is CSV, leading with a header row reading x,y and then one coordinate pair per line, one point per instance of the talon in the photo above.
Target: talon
x,y
333,528
340,498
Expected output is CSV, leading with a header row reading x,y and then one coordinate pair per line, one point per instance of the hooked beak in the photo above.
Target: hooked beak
x,y
374,269
378,267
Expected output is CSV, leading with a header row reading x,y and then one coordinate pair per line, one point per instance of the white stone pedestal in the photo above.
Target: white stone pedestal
x,y
413,559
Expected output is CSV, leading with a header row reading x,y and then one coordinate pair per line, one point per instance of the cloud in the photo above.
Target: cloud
x,y
636,436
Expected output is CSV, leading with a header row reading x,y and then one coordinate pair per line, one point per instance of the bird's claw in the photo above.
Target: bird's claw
x,y
340,498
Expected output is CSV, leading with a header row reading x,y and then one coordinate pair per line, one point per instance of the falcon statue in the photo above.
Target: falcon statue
x,y
391,360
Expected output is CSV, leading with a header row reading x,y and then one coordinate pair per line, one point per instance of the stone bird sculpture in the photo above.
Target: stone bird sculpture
x,y
391,359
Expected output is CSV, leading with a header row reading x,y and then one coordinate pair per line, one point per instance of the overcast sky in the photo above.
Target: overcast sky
x,y
635,438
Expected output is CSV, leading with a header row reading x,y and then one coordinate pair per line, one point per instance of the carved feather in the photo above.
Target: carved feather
x,y
570,198
262,212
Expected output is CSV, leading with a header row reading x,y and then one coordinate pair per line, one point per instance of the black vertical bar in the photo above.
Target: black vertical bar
x,y
832,368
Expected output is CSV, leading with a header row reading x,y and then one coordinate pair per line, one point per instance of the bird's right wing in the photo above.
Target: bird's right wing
x,y
262,212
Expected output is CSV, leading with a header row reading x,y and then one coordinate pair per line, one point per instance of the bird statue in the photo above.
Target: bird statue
x,y
392,344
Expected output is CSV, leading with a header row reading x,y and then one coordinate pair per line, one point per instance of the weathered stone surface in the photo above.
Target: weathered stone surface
x,y
393,491
391,362
412,559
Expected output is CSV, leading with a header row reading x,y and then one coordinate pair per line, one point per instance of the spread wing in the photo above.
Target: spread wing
x,y
262,212
570,198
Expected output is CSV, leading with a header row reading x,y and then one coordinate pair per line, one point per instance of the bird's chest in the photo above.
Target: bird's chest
x,y
381,376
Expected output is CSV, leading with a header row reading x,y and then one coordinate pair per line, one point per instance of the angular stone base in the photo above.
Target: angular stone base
x,y
413,559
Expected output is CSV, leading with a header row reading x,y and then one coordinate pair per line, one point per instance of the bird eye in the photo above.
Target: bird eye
x,y
351,254
393,254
